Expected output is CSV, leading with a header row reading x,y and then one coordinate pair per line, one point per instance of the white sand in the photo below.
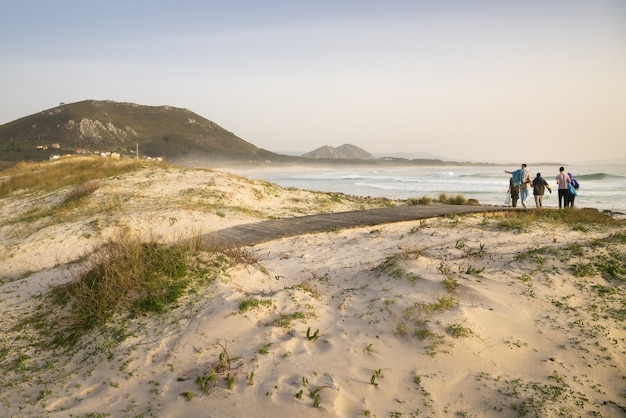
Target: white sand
x,y
539,339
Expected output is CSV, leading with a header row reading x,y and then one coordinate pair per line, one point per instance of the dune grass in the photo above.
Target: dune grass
x,y
128,276
69,171
578,219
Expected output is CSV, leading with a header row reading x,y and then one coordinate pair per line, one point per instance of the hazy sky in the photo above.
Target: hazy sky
x,y
531,80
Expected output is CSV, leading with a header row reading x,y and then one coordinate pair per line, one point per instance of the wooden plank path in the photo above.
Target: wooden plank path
x,y
263,231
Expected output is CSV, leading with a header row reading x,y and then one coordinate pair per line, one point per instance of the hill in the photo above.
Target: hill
x,y
93,126
343,152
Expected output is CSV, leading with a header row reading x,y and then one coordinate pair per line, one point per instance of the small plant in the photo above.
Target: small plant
x,y
251,378
253,303
450,283
284,320
457,330
265,349
473,270
477,252
316,400
527,279
369,349
377,374
317,397
444,269
452,200
402,329
221,367
417,379
580,227
312,337
583,269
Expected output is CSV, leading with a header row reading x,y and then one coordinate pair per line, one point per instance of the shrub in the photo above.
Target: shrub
x,y
126,275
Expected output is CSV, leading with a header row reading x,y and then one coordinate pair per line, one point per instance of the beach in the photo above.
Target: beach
x,y
603,185
499,314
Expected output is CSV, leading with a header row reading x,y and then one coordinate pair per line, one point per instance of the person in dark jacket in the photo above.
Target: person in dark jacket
x,y
539,188
514,190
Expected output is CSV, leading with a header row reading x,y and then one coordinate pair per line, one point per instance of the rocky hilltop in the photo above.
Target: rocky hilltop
x,y
93,126
343,152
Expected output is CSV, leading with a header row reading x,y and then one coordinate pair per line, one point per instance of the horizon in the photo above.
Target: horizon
x,y
482,82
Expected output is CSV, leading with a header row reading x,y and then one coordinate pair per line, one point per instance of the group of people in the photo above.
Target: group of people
x,y
521,181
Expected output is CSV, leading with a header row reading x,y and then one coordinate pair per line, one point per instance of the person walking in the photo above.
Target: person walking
x,y
572,188
539,188
514,191
563,181
522,178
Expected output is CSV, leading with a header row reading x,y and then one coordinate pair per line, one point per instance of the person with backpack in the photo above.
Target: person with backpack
x,y
572,188
522,178
563,181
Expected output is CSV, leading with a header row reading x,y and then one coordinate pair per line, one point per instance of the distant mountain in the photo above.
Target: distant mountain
x,y
343,152
106,126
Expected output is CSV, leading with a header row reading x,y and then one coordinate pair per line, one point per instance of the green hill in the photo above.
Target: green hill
x,y
105,126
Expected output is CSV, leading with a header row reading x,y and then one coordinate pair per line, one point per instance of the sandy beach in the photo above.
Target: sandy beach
x,y
478,315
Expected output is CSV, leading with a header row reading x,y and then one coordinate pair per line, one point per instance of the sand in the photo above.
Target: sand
x,y
449,316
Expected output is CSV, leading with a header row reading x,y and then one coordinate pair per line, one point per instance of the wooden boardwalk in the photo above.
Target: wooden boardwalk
x,y
258,232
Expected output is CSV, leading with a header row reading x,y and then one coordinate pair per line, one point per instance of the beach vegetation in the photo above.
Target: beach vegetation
x,y
220,372
307,286
474,270
457,330
443,303
444,268
377,373
312,336
265,349
450,282
476,252
70,171
284,320
253,303
391,265
424,200
582,269
581,220
452,200
411,253
402,329
130,276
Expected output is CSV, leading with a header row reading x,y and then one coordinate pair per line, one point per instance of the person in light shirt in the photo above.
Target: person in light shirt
x,y
563,181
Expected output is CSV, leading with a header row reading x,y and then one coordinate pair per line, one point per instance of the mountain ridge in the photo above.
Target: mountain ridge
x,y
342,152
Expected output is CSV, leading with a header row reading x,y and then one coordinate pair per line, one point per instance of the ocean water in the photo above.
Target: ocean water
x,y
602,186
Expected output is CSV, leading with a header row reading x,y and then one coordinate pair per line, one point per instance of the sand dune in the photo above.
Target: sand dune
x,y
451,316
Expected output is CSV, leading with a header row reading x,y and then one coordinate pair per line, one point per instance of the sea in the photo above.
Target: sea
x,y
602,185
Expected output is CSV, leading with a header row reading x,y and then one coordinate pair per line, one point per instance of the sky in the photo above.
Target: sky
x,y
483,80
